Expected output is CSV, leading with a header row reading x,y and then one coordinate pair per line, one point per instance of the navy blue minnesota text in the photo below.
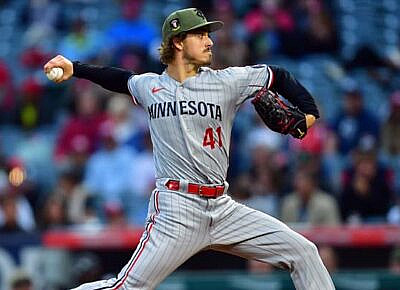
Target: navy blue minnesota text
x,y
167,109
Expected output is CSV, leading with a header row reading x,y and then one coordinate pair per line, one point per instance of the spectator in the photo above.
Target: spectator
x,y
79,154
25,190
310,163
115,215
53,214
264,191
81,132
34,154
318,153
367,188
129,123
263,149
16,208
321,36
231,50
315,30
264,25
131,30
109,170
354,123
9,215
29,110
91,219
134,59
70,190
308,204
81,42
133,40
262,146
332,163
121,113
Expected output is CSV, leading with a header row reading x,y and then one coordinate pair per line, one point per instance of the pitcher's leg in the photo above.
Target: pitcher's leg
x,y
127,275
255,235
167,242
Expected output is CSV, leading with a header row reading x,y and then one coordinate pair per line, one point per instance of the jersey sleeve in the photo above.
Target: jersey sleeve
x,y
249,79
134,89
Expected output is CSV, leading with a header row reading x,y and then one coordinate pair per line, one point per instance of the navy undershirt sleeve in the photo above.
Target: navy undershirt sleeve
x,y
110,78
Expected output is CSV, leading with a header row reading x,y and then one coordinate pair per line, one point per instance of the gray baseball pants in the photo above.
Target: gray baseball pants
x,y
180,224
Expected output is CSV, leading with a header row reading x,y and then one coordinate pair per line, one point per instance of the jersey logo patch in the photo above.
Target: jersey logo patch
x,y
155,90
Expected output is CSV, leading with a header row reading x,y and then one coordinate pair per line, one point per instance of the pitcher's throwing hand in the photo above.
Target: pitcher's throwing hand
x,y
59,62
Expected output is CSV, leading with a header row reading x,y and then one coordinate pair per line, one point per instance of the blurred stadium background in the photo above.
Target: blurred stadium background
x,y
76,165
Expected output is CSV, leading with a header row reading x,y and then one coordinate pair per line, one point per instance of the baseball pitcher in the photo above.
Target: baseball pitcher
x,y
190,110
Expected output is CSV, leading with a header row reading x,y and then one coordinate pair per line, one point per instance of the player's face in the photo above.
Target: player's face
x,y
197,48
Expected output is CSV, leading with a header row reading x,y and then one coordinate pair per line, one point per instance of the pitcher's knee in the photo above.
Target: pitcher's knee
x,y
311,248
304,247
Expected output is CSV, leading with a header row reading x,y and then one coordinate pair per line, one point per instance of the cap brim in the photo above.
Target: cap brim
x,y
212,26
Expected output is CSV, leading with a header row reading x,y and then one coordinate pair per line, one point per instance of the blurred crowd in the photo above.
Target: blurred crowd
x,y
76,155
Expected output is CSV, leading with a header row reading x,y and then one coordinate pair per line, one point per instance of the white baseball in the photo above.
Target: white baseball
x,y
55,73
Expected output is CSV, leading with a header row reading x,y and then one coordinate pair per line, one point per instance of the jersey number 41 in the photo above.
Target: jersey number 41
x,y
209,139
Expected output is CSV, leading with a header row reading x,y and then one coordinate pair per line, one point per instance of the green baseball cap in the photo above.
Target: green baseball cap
x,y
185,20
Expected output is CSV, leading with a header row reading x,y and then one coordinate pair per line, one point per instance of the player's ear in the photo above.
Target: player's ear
x,y
177,43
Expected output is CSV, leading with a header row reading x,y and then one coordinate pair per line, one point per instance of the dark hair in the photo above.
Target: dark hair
x,y
167,49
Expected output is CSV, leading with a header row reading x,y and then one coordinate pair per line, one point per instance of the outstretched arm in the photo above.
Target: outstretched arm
x,y
110,78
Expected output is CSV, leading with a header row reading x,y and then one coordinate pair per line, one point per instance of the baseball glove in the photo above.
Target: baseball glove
x,y
278,116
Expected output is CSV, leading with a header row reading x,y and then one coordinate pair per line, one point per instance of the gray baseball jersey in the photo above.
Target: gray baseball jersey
x,y
191,122
190,125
